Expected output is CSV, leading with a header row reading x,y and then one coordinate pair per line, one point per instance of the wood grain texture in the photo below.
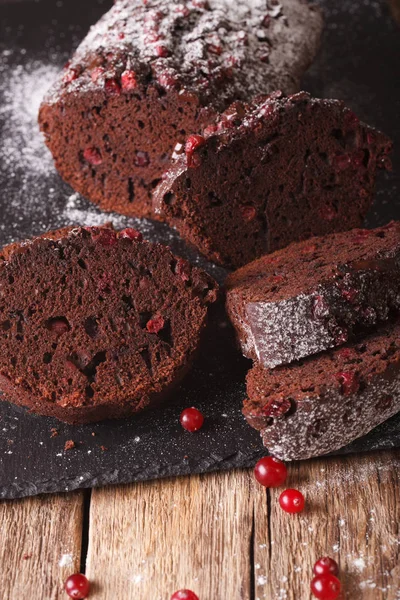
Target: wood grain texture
x,y
40,545
225,537
151,539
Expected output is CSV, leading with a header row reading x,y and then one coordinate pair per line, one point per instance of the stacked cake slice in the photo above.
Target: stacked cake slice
x,y
320,320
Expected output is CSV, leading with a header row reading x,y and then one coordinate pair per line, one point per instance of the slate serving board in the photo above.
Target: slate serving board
x,y
357,63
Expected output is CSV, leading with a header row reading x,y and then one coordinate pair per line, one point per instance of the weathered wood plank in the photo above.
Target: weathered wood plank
x,y
151,539
40,545
353,515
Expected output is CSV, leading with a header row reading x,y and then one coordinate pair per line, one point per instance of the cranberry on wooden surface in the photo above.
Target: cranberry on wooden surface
x,y
292,501
184,595
191,419
77,586
326,587
270,472
326,566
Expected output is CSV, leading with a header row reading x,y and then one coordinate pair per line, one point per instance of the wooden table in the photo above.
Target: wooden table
x,y
221,535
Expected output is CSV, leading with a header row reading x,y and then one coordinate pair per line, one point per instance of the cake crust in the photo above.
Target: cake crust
x,y
149,73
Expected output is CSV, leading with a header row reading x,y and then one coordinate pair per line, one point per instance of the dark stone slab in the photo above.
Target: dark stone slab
x,y
357,63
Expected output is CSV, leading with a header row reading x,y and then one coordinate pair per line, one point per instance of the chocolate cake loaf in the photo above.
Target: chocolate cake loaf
x,y
150,73
277,171
324,402
316,294
97,324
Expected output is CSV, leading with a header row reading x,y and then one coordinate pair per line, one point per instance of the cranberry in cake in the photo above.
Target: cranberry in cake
x,y
279,170
318,405
151,72
97,324
316,294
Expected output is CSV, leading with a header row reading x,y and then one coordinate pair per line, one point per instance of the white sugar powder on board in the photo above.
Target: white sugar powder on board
x,y
22,145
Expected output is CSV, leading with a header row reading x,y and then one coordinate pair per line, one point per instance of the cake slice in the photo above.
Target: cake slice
x,y
97,324
318,405
316,294
151,72
279,170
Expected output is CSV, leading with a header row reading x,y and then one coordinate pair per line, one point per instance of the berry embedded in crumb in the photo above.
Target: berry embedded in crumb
x,y
192,144
131,234
92,156
270,472
349,382
103,236
162,51
191,419
112,87
155,324
141,159
326,566
184,595
128,80
183,269
292,501
77,586
326,587
248,213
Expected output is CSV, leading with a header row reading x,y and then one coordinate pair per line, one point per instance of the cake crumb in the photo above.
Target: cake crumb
x,y
69,445
53,432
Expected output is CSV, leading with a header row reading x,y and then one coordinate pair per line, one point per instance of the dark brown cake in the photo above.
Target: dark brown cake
x,y
277,171
323,403
316,294
98,324
150,73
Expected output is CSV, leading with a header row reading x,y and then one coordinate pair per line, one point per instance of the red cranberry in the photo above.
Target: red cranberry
x,y
326,587
167,80
104,236
71,75
270,472
192,144
184,595
266,20
97,73
349,382
191,419
326,566
121,35
141,159
203,4
183,269
131,234
248,213
292,501
128,80
320,307
92,155
215,49
277,408
341,162
162,51
155,324
77,586
210,130
350,295
112,87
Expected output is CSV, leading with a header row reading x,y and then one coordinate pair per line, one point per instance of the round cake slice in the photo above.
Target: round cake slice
x,y
316,294
279,170
318,405
151,72
97,324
